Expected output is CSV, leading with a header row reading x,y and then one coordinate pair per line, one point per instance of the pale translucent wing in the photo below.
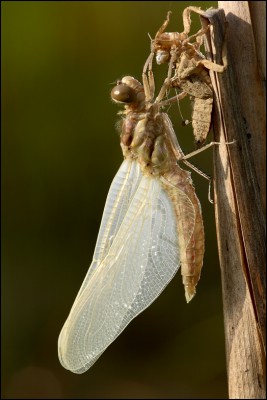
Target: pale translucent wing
x,y
121,191
141,260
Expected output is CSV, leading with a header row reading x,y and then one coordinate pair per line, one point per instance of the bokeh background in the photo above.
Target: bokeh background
x,y
60,152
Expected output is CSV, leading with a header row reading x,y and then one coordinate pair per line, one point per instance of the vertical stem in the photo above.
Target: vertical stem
x,y
240,194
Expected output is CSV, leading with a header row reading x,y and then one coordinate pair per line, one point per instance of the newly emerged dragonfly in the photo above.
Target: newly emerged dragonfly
x,y
151,225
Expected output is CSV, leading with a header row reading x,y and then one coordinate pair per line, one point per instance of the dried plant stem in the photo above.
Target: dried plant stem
x,y
240,191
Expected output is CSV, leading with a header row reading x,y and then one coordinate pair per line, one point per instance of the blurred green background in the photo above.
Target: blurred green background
x,y
60,152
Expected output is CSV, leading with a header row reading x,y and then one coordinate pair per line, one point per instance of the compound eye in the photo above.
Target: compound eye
x,y
123,94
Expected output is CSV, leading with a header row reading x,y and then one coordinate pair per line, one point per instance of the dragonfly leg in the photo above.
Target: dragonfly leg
x,y
167,83
148,78
194,168
164,25
207,146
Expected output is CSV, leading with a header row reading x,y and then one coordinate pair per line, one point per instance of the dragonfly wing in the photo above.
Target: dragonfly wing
x,y
121,191
141,260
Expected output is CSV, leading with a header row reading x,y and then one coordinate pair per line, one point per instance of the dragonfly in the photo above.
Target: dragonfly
x,y
151,225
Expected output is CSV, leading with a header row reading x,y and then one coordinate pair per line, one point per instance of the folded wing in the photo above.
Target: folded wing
x,y
135,258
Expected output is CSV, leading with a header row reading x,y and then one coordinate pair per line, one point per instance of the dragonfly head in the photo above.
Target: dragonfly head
x,y
128,91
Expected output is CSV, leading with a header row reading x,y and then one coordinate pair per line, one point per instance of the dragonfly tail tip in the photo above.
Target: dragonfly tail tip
x,y
189,293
